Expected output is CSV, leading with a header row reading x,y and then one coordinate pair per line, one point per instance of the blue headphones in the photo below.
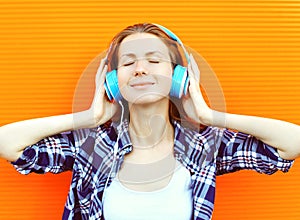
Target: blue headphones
x,y
180,78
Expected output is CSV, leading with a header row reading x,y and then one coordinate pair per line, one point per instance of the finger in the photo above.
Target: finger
x,y
100,69
101,66
195,68
194,88
193,83
103,75
190,71
191,74
100,79
105,58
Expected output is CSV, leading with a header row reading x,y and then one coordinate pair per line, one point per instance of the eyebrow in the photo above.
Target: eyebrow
x,y
147,54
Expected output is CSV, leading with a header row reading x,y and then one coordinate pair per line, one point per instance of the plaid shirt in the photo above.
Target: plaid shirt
x,y
89,153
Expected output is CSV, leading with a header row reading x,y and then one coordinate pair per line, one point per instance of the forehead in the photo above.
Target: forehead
x,y
142,43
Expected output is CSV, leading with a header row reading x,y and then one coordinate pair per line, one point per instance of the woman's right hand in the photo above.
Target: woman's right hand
x,y
101,109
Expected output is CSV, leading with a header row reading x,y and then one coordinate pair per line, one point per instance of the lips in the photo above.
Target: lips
x,y
141,82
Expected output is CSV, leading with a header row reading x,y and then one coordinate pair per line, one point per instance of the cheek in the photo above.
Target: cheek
x,y
166,74
123,77
168,70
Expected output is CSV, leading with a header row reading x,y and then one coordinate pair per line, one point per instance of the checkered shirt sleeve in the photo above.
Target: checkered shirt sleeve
x,y
52,154
239,151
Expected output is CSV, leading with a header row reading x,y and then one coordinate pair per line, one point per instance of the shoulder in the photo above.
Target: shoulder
x,y
199,145
95,144
198,134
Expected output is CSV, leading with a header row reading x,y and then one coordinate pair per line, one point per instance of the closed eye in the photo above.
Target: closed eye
x,y
128,63
154,61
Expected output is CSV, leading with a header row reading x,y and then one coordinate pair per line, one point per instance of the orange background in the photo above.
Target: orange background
x,y
253,47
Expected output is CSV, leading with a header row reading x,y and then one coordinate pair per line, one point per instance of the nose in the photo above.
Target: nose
x,y
140,68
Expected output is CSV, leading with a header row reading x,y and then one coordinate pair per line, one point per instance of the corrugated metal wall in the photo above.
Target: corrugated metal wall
x,y
252,46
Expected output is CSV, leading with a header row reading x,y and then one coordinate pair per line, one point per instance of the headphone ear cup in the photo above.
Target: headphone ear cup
x,y
111,86
180,82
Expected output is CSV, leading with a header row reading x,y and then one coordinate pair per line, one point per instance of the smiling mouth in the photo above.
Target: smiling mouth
x,y
142,85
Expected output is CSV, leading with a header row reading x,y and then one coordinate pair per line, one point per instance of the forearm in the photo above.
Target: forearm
x,y
282,135
16,136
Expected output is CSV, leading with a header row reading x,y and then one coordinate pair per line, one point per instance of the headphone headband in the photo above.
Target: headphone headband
x,y
175,38
171,35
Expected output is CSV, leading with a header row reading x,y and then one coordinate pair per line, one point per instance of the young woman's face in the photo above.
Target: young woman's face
x,y
144,68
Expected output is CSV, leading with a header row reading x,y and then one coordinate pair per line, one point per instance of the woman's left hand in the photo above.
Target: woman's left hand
x,y
194,104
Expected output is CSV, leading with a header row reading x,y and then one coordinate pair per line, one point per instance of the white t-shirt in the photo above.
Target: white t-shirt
x,y
174,201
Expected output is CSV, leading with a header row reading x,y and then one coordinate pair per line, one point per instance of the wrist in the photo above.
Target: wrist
x,y
207,117
217,119
84,119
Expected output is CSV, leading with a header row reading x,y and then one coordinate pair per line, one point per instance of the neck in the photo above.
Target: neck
x,y
150,125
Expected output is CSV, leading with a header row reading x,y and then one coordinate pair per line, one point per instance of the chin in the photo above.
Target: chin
x,y
145,99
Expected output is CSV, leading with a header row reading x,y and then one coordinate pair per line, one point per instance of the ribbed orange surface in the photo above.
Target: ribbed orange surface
x,y
252,46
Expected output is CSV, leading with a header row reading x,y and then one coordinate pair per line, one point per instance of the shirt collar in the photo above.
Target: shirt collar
x,y
180,138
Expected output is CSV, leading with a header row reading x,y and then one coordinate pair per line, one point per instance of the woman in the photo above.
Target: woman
x,y
125,168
